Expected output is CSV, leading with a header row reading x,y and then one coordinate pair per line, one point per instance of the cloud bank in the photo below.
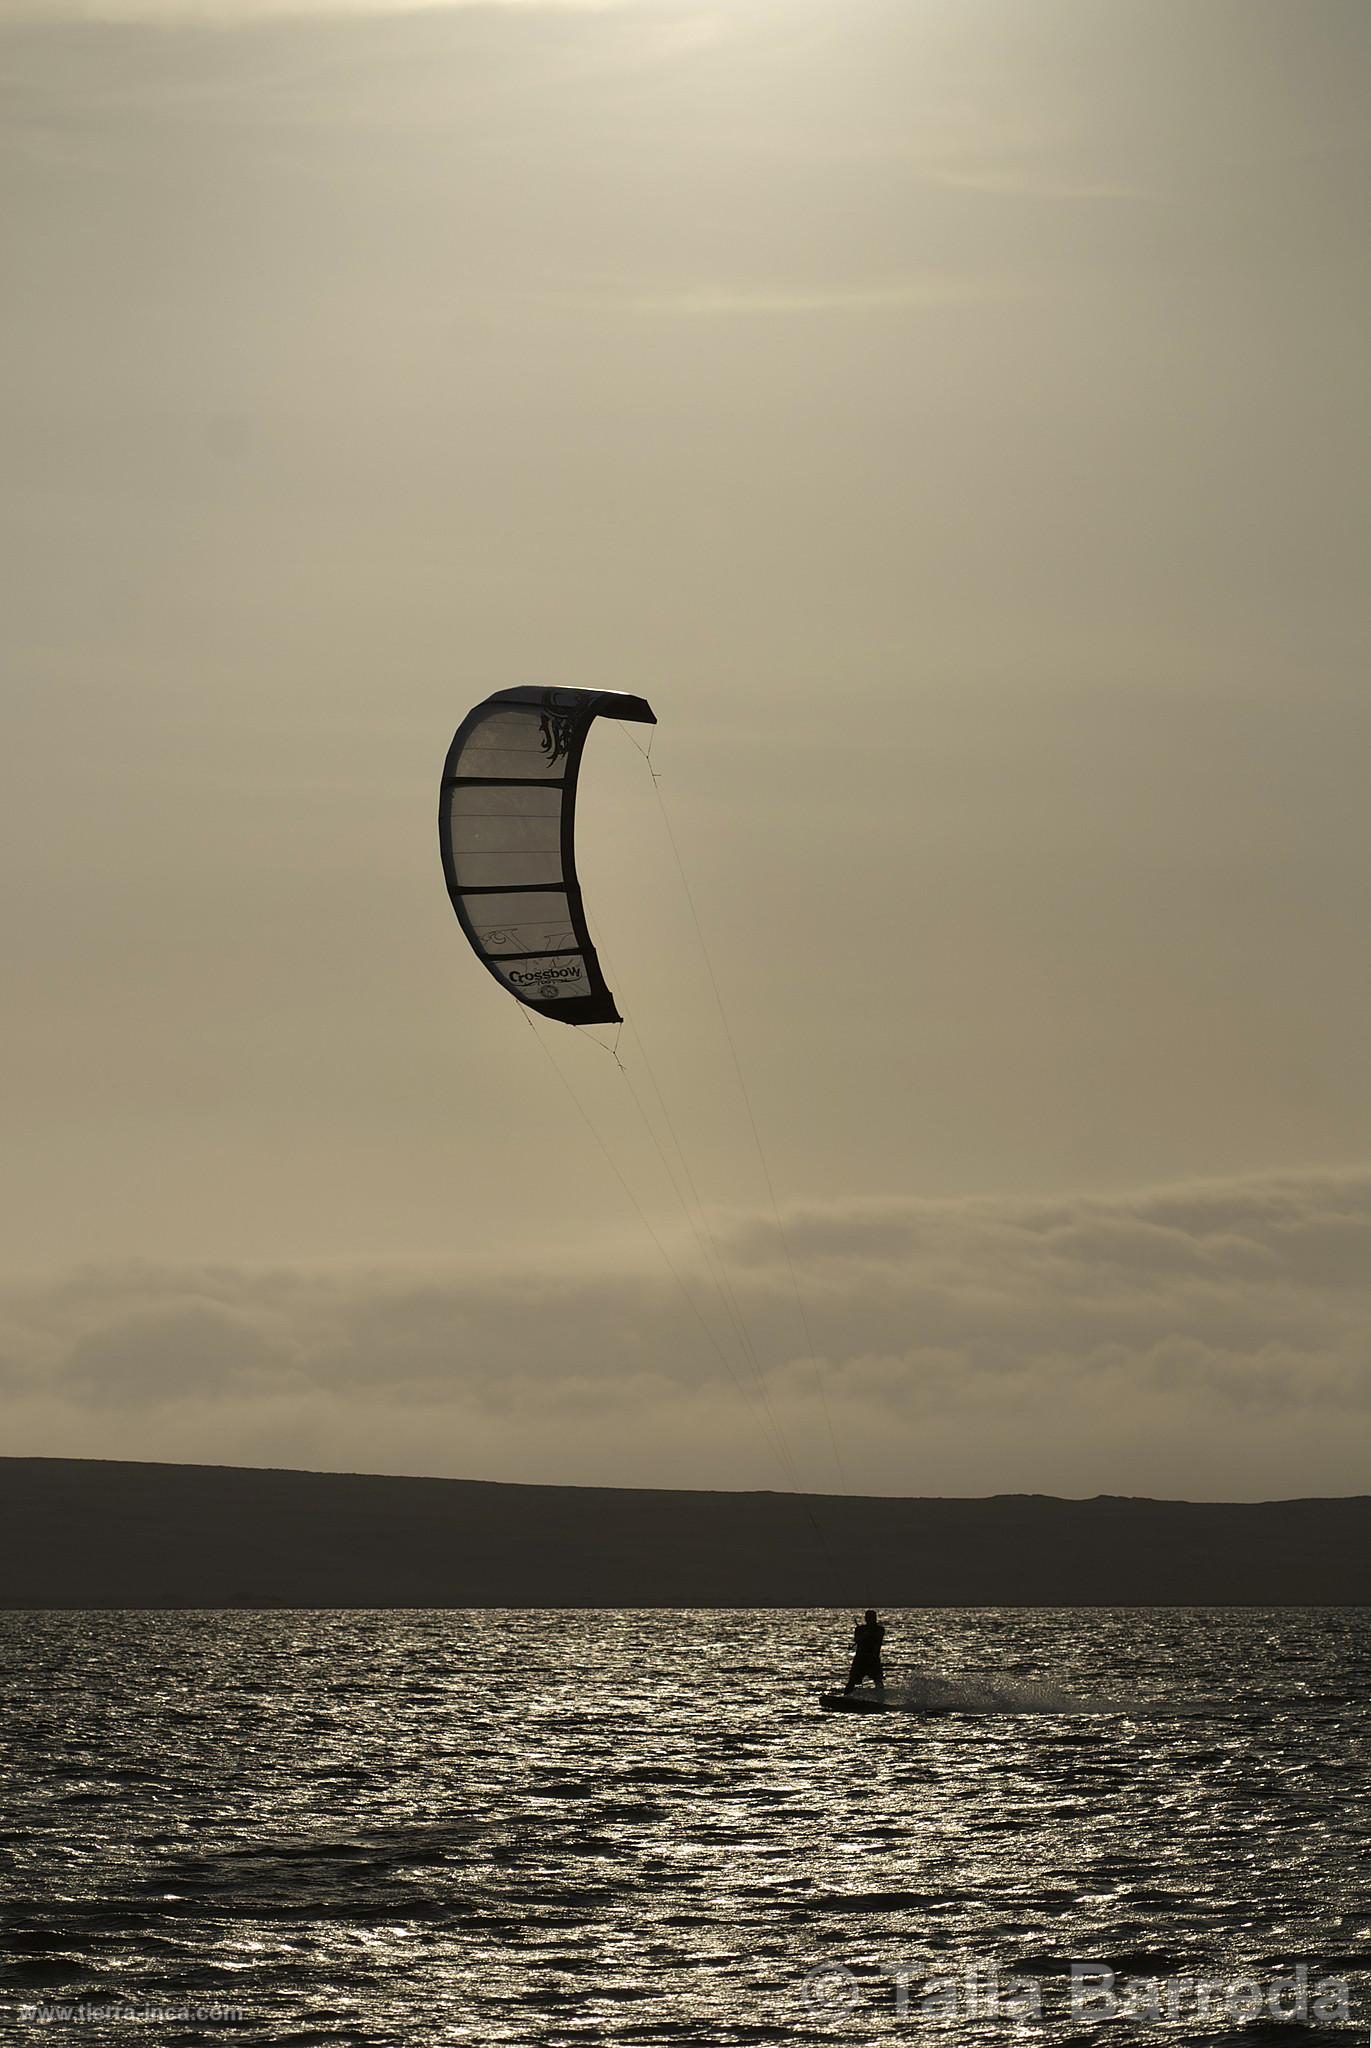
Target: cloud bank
x,y
1208,1340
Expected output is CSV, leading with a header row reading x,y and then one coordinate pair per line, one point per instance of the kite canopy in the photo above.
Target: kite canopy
x,y
507,828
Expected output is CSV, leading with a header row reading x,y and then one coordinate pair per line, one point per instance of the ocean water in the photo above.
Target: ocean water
x,y
427,1827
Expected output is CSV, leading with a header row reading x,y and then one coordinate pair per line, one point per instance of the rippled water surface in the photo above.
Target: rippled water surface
x,y
637,1828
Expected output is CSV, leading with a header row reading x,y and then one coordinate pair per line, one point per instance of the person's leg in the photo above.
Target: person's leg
x,y
854,1674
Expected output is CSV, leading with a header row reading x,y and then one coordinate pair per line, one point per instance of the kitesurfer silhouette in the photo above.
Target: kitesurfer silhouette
x,y
867,1637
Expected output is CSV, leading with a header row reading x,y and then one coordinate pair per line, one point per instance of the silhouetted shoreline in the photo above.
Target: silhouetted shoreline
x,y
91,1533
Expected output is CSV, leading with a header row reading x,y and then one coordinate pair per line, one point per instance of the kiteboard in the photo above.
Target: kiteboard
x,y
873,1702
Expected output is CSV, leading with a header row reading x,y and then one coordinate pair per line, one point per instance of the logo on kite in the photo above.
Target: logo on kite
x,y
541,977
556,729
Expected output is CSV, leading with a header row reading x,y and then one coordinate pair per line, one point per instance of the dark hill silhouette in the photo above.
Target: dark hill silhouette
x,y
86,1533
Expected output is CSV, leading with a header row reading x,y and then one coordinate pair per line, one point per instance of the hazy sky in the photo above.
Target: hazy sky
x,y
952,415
